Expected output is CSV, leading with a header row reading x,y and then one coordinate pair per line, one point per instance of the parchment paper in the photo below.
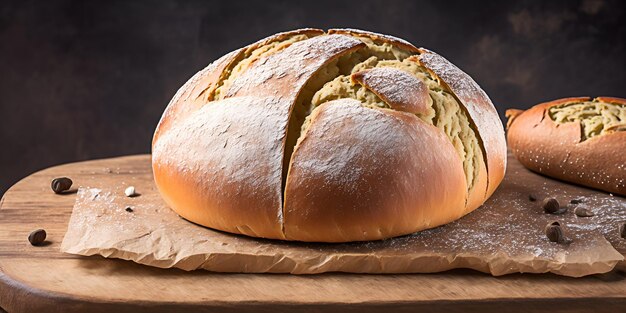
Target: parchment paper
x,y
506,235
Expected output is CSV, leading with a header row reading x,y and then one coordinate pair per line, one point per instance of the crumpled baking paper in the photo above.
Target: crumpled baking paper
x,y
506,235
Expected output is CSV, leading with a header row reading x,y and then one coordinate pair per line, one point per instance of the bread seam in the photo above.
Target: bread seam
x,y
246,54
472,126
290,142
468,157
481,144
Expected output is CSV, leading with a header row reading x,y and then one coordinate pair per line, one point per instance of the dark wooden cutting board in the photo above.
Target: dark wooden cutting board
x,y
34,279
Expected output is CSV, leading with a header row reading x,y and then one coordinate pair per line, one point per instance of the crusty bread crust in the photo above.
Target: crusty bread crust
x,y
236,186
484,117
364,173
356,173
212,170
184,103
558,150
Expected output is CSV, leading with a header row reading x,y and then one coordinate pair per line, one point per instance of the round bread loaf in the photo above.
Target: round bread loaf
x,y
579,140
334,136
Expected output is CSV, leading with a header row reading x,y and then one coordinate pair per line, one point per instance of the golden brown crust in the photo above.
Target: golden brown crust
x,y
483,116
309,32
185,102
236,186
226,189
220,163
363,174
273,78
558,150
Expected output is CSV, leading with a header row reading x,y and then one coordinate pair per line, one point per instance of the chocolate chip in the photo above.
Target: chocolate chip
x,y
37,237
554,232
61,184
551,206
583,212
532,197
129,209
622,231
575,201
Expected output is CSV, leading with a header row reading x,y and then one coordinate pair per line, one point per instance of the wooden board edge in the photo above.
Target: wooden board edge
x,y
26,299
16,297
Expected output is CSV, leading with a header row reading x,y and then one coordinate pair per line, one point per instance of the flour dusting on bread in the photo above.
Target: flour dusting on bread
x,y
225,147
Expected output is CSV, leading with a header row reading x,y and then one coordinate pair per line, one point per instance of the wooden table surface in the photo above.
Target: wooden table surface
x,y
34,279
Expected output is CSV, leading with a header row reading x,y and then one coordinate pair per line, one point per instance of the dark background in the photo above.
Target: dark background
x,y
89,79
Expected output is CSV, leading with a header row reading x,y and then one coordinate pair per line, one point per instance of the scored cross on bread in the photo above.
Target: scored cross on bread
x,y
332,137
